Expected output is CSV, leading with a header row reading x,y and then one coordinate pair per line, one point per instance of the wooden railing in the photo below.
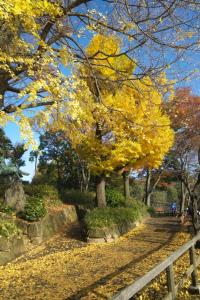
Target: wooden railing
x,y
167,265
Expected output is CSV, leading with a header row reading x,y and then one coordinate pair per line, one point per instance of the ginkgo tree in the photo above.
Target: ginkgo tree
x,y
112,126
39,39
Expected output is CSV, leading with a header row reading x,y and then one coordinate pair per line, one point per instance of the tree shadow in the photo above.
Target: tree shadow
x,y
104,280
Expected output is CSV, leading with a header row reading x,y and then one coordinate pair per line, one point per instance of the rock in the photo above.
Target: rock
x,y
109,239
34,229
48,227
97,233
37,240
4,244
115,236
70,214
15,196
37,232
95,240
110,234
11,248
18,246
22,225
6,257
59,220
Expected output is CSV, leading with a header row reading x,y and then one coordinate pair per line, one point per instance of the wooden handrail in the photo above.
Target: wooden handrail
x,y
138,285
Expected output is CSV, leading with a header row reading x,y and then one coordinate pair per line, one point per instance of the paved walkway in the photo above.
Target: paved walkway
x,y
67,268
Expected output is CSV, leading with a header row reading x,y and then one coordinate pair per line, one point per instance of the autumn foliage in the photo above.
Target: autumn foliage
x,y
113,126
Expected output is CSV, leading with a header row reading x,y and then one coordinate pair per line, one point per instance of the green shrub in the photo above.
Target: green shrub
x,y
46,192
5,208
86,199
8,229
32,190
136,204
41,190
105,217
34,209
114,198
115,183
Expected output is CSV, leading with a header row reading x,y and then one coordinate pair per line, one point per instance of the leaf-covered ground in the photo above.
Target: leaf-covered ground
x,y
65,268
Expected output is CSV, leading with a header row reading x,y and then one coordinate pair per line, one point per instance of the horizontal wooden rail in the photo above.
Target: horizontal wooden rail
x,y
138,285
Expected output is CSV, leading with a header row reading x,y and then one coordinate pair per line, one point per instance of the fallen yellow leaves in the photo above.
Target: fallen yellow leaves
x,y
97,271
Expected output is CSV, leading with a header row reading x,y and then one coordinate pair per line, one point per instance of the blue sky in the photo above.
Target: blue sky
x,y
12,131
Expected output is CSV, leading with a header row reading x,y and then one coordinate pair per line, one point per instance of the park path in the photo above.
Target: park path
x,y
66,268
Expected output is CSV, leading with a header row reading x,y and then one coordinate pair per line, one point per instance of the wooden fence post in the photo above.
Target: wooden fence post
x,y
194,288
167,265
170,282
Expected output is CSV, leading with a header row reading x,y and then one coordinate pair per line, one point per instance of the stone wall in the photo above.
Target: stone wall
x,y
110,234
35,233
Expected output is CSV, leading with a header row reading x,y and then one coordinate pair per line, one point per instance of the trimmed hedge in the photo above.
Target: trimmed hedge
x,y
105,217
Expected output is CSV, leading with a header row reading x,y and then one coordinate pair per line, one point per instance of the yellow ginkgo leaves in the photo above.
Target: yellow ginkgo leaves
x,y
120,126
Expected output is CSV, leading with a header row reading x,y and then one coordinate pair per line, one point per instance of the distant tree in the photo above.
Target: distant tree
x,y
12,152
17,153
5,144
34,155
162,176
58,159
185,117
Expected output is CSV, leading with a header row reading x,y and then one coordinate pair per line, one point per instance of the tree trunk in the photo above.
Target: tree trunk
x,y
194,200
195,219
148,192
148,200
58,173
81,186
125,175
87,181
85,177
183,196
193,196
36,159
100,192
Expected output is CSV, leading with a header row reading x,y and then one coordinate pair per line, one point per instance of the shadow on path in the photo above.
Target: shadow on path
x,y
171,228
